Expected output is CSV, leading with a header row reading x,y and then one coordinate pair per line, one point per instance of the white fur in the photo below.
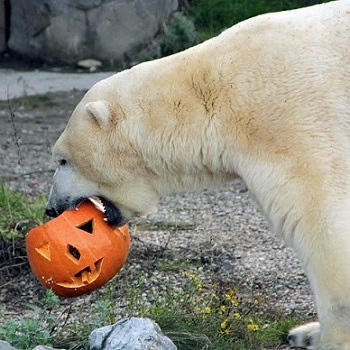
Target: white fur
x,y
268,100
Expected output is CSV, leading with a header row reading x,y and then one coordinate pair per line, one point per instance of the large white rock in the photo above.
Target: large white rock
x,y
130,334
4,345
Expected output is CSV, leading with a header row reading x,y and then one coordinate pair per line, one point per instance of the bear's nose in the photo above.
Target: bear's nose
x,y
51,212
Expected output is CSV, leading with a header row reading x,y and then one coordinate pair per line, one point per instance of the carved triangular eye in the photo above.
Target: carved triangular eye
x,y
87,226
44,250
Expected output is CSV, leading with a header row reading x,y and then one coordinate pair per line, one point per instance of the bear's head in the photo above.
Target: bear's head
x,y
96,156
141,134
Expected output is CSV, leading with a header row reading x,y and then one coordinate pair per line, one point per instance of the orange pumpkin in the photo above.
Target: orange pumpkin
x,y
77,252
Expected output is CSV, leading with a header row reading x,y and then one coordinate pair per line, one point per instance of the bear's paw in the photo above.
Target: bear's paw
x,y
305,337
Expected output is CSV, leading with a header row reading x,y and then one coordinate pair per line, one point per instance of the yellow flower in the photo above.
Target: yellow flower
x,y
256,301
207,310
223,324
222,309
237,316
234,301
199,286
228,296
193,277
214,296
253,327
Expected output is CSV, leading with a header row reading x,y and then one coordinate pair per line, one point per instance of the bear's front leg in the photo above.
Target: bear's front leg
x,y
312,214
326,259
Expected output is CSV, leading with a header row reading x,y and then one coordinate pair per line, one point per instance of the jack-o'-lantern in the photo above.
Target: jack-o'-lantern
x,y
77,251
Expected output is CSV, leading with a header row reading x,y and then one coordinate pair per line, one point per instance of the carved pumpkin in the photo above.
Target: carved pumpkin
x,y
77,252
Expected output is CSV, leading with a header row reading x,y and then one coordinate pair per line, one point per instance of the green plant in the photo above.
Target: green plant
x,y
18,214
179,35
27,332
211,17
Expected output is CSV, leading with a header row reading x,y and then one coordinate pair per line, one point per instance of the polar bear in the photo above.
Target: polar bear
x,y
268,101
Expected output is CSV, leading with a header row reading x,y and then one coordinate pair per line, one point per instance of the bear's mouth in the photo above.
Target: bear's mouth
x,y
112,214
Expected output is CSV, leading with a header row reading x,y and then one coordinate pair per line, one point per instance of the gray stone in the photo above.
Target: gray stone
x,y
89,64
4,345
68,31
130,334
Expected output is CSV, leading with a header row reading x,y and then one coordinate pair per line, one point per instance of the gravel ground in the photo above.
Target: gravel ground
x,y
221,226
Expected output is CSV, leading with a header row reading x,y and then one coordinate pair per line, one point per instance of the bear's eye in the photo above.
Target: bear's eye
x,y
62,162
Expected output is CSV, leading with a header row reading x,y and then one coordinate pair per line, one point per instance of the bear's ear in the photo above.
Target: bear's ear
x,y
100,111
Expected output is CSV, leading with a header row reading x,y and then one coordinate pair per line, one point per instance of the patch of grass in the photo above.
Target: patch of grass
x,y
200,316
31,102
212,316
44,101
279,327
175,265
18,214
35,101
28,332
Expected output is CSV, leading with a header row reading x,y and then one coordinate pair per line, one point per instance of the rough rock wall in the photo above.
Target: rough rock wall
x,y
67,31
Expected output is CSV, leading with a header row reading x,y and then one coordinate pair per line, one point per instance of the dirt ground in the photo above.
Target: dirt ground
x,y
223,225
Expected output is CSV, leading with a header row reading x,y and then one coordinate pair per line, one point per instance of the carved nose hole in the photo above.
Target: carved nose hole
x,y
74,252
87,226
